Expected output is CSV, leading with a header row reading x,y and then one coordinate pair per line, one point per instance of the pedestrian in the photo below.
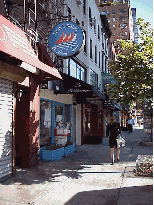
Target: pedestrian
x,y
130,123
112,131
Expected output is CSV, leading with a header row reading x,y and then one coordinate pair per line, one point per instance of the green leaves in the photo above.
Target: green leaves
x,y
133,68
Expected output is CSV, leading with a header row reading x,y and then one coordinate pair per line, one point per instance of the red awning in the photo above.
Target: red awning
x,y
14,42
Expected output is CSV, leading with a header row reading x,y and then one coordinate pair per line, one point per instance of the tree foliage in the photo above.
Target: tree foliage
x,y
133,68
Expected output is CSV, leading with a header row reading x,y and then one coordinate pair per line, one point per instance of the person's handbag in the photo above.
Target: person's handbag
x,y
120,141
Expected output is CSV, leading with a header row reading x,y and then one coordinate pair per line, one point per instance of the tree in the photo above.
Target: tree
x,y
133,68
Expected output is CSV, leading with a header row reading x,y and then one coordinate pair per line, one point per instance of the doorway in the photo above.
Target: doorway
x,y
22,126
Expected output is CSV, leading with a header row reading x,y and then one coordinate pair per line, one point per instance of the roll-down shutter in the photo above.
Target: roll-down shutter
x,y
6,116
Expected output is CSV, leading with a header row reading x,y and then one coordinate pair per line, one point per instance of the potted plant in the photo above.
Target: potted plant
x,y
69,148
52,153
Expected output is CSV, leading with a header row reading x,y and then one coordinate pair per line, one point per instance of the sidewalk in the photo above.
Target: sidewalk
x,y
85,177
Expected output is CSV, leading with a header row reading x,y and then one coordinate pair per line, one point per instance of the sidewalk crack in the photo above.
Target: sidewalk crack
x,y
122,175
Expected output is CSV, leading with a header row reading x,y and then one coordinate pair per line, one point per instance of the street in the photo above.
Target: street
x,y
85,177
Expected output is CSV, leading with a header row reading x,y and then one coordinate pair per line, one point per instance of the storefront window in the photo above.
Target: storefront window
x,y
62,130
59,116
45,123
55,123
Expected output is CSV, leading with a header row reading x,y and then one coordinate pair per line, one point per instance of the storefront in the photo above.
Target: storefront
x,y
92,122
20,77
55,122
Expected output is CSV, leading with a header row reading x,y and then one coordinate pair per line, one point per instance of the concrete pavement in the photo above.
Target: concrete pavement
x,y
85,177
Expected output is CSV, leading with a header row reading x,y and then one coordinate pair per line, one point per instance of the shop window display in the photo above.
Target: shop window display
x,y
62,124
55,123
45,123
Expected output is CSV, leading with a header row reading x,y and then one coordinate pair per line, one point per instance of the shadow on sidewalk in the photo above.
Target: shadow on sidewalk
x,y
127,195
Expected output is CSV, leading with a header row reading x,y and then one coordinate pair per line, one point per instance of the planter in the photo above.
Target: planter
x,y
40,152
53,155
69,149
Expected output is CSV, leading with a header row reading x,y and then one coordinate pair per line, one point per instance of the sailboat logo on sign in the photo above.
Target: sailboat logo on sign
x,y
66,39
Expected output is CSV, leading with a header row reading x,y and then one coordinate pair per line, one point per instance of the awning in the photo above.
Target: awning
x,y
71,85
13,41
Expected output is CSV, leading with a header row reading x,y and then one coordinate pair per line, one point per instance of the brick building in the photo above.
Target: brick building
x,y
119,15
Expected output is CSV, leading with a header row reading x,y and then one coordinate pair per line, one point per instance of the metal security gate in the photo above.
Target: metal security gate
x,y
6,116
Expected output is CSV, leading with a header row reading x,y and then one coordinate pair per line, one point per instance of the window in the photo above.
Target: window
x,y
90,48
122,18
103,40
113,11
108,20
95,54
124,25
94,25
98,33
69,13
113,19
123,34
99,59
122,11
105,65
85,46
84,6
105,12
93,78
102,62
113,26
104,2
114,43
90,12
45,123
75,70
77,22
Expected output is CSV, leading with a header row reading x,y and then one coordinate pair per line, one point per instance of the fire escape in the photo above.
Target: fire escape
x,y
34,12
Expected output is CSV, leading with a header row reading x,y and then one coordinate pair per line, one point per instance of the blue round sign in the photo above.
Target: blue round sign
x,y
66,39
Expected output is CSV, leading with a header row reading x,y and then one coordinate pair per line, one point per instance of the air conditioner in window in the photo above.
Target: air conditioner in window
x,y
91,21
78,2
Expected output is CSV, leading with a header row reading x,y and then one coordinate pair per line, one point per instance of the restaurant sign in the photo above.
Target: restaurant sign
x,y
66,39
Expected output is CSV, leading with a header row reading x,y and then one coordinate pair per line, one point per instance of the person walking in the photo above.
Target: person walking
x,y
130,123
112,131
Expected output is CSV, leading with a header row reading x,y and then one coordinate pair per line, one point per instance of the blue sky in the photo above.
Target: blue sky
x,y
144,9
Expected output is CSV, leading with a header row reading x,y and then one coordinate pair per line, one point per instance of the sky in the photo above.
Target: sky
x,y
144,9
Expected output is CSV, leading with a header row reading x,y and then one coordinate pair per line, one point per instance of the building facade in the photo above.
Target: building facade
x,y
53,100
21,74
120,18
135,28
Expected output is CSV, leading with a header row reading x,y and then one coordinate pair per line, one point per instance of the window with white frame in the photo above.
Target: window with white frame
x,y
91,49
123,25
102,62
98,32
75,70
122,11
95,54
122,18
